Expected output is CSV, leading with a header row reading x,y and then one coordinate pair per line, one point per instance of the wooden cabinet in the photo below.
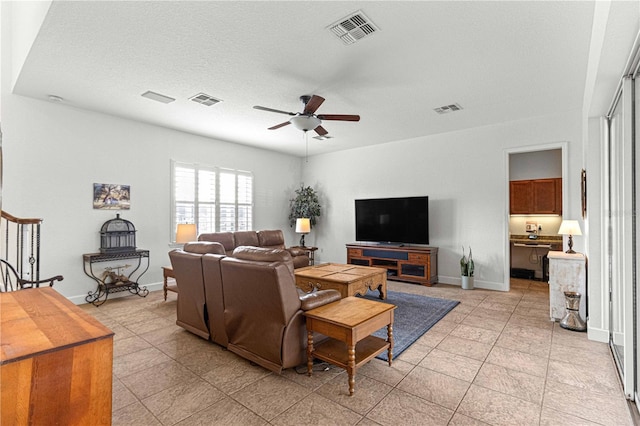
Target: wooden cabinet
x,y
55,361
412,264
539,196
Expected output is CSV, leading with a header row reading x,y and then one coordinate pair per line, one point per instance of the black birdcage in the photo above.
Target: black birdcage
x,y
117,235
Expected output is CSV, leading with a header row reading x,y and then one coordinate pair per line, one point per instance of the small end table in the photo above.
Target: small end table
x,y
167,272
348,323
311,252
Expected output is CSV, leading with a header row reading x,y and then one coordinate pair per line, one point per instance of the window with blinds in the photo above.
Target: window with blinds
x,y
213,198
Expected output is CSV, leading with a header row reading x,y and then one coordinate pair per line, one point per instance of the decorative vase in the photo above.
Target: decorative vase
x,y
467,282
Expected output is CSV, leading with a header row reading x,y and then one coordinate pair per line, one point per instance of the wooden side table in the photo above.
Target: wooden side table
x,y
167,272
311,252
350,320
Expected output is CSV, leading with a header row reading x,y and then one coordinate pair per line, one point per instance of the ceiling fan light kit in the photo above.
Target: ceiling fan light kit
x,y
305,122
307,119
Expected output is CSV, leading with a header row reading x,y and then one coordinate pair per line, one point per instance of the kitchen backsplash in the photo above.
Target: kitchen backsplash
x,y
549,224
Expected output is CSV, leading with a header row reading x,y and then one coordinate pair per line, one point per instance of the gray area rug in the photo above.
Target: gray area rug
x,y
413,317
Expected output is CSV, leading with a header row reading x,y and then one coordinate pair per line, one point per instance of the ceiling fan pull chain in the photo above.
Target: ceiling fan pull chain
x,y
306,154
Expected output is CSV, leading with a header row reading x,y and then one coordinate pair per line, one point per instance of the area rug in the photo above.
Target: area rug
x,y
413,317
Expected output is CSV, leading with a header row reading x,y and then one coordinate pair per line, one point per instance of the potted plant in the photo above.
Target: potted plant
x,y
304,205
466,270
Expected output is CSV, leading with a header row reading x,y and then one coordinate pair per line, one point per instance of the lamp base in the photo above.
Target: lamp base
x,y
570,251
302,241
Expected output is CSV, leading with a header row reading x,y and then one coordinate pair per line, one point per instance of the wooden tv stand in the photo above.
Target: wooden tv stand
x,y
416,264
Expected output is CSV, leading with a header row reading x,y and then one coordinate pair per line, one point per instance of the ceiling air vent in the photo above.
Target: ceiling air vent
x,y
448,108
323,137
353,28
157,97
204,99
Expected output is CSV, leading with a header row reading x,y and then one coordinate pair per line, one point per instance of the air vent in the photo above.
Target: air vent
x,y
448,108
157,97
204,99
353,28
323,138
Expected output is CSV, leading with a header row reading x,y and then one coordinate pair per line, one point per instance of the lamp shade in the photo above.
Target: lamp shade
x,y
303,225
569,227
186,232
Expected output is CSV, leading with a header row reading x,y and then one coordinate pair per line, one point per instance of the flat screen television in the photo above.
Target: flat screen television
x,y
393,220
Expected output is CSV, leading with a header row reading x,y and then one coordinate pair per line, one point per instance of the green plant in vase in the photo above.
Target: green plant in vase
x,y
304,205
467,268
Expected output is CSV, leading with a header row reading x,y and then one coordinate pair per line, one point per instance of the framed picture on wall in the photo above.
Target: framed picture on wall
x,y
583,191
108,196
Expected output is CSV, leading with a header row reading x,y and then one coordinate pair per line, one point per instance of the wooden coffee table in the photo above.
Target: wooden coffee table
x,y
349,323
349,280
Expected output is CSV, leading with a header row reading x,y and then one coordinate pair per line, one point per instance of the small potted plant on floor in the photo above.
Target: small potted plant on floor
x,y
466,270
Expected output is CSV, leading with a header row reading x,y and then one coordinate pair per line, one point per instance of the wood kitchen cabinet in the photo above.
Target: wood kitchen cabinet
x,y
537,196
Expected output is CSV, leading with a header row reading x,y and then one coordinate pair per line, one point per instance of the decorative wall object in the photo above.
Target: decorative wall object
x,y
583,188
111,197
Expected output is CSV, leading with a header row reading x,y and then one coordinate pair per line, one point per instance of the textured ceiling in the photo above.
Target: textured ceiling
x,y
499,60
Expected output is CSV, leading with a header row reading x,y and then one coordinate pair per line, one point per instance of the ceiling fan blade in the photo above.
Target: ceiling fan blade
x,y
277,126
339,117
273,110
313,104
321,130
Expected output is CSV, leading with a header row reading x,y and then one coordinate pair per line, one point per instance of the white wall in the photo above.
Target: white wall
x,y
463,173
535,165
54,153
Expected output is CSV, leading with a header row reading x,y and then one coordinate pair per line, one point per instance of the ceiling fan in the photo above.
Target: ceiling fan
x,y
307,119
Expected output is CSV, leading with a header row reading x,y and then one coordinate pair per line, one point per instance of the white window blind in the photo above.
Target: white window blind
x,y
213,198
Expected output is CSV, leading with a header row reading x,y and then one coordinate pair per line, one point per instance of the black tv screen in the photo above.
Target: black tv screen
x,y
393,220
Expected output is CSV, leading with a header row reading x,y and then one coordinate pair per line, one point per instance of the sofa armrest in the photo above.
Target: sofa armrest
x,y
318,298
296,251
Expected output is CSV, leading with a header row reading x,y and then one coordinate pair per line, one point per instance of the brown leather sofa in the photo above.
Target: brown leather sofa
x,y
247,302
273,239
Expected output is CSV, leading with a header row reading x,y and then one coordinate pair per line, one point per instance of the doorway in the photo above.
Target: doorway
x,y
532,163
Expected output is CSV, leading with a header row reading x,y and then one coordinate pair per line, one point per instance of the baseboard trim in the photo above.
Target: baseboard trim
x,y
597,334
486,285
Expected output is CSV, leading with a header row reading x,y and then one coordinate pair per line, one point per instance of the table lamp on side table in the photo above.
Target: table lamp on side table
x,y
303,226
186,232
570,228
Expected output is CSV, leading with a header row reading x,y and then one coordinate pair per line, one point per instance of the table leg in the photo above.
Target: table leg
x,y
164,287
351,368
309,352
390,340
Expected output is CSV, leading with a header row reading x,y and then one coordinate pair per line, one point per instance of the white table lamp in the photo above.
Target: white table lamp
x,y
570,228
303,226
186,232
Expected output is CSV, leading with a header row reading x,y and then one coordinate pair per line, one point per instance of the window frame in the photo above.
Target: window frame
x,y
237,206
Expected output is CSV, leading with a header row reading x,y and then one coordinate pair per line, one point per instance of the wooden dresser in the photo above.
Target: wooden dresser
x,y
55,361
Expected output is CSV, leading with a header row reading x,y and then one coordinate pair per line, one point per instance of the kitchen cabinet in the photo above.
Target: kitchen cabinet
x,y
536,196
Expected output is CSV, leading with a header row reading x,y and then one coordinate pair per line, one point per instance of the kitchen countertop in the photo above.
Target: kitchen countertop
x,y
542,239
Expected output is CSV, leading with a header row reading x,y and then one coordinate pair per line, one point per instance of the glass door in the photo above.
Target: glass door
x,y
620,241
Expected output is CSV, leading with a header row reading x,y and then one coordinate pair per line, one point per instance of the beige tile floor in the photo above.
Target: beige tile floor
x,y
495,359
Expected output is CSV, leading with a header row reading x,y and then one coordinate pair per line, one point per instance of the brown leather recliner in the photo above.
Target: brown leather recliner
x,y
214,298
263,314
227,239
187,267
